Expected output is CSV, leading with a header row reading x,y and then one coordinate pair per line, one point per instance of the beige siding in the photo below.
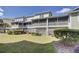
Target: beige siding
x,y
74,21
41,31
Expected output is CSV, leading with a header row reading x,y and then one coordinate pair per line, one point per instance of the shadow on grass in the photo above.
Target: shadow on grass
x,y
26,47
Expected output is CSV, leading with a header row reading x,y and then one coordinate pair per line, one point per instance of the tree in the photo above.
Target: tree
x,y
5,25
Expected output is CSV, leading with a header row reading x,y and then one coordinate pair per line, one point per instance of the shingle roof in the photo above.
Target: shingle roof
x,y
43,12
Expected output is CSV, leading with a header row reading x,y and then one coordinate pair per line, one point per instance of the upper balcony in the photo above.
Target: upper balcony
x,y
57,24
50,24
35,25
40,20
39,24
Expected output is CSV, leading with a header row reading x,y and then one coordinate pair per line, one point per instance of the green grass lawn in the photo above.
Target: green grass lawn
x,y
26,43
26,47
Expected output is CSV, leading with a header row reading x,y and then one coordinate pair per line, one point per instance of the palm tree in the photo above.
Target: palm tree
x,y
1,25
5,25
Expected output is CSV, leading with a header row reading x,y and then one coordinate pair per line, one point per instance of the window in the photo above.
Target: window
x,y
20,23
24,24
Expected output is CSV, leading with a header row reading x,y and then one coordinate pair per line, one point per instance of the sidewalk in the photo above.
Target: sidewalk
x,y
64,49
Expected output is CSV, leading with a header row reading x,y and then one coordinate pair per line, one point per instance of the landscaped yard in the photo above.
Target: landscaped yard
x,y
26,43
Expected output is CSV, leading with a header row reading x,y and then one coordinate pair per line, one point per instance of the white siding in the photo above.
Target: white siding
x,y
30,18
21,19
74,21
14,26
46,15
36,17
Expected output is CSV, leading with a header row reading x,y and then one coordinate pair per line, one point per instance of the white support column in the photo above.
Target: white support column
x,y
57,20
69,22
22,27
47,26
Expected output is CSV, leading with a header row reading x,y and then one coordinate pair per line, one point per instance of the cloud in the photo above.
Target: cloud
x,y
1,13
1,10
63,10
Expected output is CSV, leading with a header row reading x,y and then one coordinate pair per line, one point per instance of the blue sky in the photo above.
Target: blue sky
x,y
15,11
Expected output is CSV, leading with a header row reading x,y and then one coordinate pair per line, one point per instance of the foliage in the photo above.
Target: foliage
x,y
9,32
67,36
15,32
6,25
36,34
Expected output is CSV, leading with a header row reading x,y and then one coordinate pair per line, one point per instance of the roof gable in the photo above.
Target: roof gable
x,y
76,9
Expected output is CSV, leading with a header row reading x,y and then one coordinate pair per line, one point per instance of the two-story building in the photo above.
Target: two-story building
x,y
45,23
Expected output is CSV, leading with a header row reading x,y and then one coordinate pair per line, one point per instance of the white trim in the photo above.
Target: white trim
x,y
47,26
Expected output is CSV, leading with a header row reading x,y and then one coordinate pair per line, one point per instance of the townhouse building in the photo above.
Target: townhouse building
x,y
45,23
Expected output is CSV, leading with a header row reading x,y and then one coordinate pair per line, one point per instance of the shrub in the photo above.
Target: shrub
x,y
36,34
15,32
67,36
9,32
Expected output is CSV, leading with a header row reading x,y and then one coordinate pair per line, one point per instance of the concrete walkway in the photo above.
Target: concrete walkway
x,y
5,38
64,49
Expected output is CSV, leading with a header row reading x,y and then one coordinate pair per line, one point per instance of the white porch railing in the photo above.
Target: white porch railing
x,y
57,23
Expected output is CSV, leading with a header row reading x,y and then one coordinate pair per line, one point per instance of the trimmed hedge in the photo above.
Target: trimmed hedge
x,y
67,36
36,34
15,32
9,32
